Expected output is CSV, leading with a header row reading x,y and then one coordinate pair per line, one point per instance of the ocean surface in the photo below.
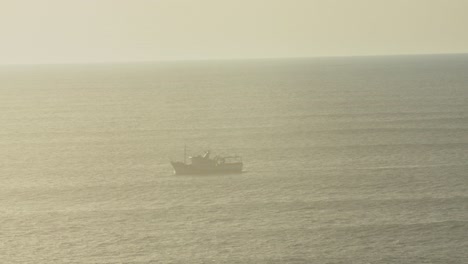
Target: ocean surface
x,y
347,160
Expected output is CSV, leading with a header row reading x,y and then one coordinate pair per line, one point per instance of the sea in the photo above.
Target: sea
x,y
346,160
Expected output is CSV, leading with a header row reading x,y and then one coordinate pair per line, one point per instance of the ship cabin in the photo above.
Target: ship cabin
x,y
218,160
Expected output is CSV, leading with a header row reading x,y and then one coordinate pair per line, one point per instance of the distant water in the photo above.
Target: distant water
x,y
348,160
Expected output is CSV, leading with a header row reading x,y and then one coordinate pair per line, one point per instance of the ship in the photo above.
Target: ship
x,y
203,164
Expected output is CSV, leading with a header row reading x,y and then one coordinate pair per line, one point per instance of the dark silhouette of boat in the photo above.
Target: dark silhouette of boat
x,y
203,164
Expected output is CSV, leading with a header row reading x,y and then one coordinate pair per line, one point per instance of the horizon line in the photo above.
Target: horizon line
x,y
231,59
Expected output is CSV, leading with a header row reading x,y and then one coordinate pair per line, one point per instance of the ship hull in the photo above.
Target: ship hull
x,y
181,168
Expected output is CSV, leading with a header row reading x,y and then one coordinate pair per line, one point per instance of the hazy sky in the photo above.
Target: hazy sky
x,y
50,31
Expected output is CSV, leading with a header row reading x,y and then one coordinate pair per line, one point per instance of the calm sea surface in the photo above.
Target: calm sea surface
x,y
347,160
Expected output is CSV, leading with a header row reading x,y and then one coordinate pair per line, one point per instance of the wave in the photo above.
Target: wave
x,y
413,226
397,167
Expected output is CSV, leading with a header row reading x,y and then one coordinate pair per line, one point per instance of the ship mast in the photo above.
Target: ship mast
x,y
185,154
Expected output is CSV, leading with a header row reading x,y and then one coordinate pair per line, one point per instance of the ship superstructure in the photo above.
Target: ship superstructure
x,y
203,164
